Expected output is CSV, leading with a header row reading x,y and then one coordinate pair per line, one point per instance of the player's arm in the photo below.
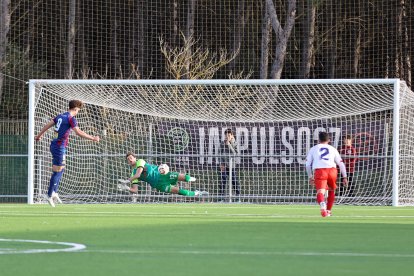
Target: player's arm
x,y
83,134
140,164
137,174
342,168
309,161
233,147
44,129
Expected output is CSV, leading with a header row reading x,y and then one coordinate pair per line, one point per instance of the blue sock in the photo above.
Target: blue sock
x,y
54,182
58,181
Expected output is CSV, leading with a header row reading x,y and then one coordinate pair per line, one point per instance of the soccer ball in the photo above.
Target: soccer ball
x,y
163,169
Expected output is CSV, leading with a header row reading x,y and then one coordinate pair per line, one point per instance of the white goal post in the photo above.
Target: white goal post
x,y
182,123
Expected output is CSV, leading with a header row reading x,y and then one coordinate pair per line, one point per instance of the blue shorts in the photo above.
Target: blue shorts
x,y
58,154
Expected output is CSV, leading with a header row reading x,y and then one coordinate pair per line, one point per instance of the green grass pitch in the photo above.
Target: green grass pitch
x,y
206,239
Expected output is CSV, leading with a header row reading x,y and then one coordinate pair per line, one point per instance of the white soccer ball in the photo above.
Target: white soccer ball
x,y
163,169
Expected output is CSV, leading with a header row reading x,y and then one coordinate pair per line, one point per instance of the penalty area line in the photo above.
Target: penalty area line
x,y
195,214
253,253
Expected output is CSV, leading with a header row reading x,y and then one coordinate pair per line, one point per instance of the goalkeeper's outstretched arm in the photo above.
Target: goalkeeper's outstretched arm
x,y
125,182
137,174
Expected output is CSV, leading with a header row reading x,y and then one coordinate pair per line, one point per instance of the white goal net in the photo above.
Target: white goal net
x,y
182,123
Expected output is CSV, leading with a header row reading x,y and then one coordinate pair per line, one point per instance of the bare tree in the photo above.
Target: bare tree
x,y
4,30
192,62
308,49
282,35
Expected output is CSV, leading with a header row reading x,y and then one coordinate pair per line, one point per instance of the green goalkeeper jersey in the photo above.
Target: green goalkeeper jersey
x,y
152,176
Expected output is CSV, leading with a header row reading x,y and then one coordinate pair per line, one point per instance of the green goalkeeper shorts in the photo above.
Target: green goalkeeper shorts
x,y
165,181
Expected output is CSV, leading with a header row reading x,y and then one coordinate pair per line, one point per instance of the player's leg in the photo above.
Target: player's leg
x,y
177,190
57,172
58,164
332,177
188,178
321,178
235,181
185,177
174,189
134,188
223,183
330,200
351,184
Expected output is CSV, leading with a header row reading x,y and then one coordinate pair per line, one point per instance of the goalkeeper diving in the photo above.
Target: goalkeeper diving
x,y
158,177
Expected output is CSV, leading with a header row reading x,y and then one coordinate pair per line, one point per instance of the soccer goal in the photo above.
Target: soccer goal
x,y
182,123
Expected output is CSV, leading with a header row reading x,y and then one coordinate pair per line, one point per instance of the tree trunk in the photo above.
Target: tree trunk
x,y
333,43
189,33
4,30
83,56
358,51
137,38
282,35
238,32
403,53
266,37
70,47
115,63
176,24
308,38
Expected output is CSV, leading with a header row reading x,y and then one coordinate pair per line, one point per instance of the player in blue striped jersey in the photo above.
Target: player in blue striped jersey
x,y
63,124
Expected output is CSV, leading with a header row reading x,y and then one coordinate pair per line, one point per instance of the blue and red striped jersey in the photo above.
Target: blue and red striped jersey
x,y
63,124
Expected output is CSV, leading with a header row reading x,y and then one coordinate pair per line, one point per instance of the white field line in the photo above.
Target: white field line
x,y
75,247
253,253
187,214
70,247
209,206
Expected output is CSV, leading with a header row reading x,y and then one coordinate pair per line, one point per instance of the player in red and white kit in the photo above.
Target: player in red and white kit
x,y
321,163
348,152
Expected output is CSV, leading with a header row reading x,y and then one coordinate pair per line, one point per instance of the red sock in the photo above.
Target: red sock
x,y
331,199
320,198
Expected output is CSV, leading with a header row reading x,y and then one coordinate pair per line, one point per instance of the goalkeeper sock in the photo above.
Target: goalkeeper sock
x,y
54,179
187,178
331,200
186,192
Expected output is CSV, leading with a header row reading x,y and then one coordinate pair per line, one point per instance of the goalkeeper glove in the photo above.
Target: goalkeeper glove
x,y
189,178
123,186
124,181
